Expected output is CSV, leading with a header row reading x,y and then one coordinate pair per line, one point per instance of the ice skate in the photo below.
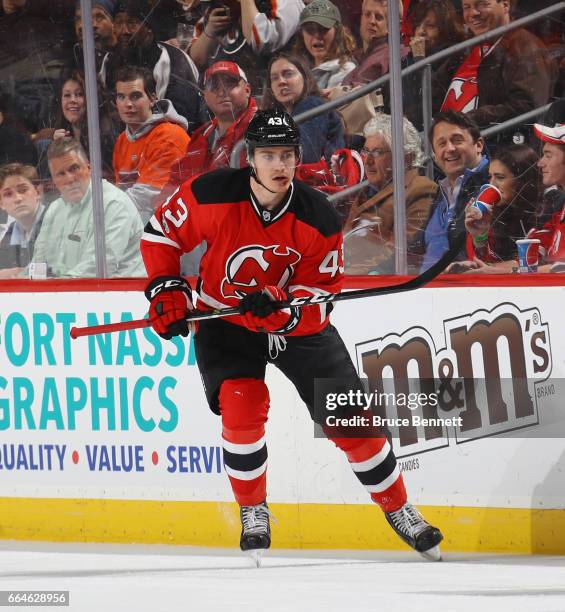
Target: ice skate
x,y
411,526
255,530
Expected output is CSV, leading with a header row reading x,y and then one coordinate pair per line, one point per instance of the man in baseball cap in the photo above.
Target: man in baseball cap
x,y
552,168
322,12
556,117
228,98
230,69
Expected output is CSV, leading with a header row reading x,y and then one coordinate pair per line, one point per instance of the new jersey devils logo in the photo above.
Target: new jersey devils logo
x,y
462,95
252,267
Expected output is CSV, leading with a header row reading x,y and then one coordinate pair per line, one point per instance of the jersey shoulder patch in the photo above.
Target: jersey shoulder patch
x,y
222,186
313,208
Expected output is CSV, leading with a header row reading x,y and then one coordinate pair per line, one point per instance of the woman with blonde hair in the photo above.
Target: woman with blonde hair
x,y
326,42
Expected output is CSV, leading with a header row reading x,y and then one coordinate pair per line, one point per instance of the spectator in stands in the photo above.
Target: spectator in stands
x,y
247,32
71,119
373,57
327,44
436,27
20,198
175,74
513,169
370,224
15,142
154,139
66,242
37,38
103,25
291,86
550,234
458,149
228,96
552,167
498,79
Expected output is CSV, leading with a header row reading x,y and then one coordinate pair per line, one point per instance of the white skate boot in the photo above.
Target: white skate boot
x,y
411,526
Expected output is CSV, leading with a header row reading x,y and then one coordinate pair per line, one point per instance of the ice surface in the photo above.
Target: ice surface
x,y
112,578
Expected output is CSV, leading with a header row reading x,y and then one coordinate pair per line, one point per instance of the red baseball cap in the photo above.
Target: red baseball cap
x,y
230,68
553,135
555,117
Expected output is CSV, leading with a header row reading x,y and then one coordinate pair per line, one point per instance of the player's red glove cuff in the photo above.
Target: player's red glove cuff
x,y
170,298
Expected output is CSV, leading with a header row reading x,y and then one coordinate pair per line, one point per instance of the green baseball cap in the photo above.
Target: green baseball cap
x,y
322,12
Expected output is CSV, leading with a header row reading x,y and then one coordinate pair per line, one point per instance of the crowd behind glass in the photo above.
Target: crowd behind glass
x,y
179,80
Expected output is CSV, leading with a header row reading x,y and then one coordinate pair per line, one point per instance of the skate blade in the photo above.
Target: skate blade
x,y
256,556
432,554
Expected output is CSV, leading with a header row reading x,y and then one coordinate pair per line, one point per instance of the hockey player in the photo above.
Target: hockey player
x,y
268,237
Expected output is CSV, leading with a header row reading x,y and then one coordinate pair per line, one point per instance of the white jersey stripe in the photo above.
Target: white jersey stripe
x,y
159,239
243,449
372,462
246,475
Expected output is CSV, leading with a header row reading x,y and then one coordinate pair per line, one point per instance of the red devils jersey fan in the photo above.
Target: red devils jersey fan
x,y
269,237
552,167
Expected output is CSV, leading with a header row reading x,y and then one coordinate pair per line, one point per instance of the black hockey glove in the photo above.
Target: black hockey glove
x,y
260,312
263,303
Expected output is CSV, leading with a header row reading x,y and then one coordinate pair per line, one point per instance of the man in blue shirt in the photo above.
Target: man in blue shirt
x,y
458,150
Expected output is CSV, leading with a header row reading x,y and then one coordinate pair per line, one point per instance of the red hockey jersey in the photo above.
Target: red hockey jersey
x,y
552,247
297,246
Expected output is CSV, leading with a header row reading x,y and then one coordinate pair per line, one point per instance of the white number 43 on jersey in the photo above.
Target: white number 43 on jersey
x,y
331,264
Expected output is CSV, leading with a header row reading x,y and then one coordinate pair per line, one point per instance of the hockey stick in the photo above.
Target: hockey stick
x,y
199,315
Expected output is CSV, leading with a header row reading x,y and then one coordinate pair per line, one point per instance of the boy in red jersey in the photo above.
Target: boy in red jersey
x,y
269,237
552,168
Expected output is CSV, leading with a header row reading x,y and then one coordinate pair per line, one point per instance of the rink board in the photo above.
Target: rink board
x,y
109,438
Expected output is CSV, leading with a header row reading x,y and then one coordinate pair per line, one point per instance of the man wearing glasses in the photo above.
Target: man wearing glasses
x,y
270,238
369,228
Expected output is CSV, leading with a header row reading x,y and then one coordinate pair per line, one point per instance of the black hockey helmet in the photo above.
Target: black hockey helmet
x,y
272,128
